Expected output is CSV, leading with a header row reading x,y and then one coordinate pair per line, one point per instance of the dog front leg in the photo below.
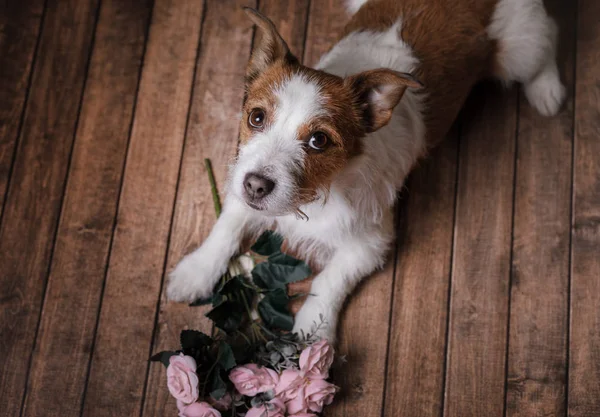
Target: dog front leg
x,y
197,273
351,262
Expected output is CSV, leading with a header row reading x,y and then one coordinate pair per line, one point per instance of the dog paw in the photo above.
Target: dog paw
x,y
315,320
545,92
193,278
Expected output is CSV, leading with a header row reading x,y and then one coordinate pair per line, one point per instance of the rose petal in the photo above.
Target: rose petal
x,y
201,409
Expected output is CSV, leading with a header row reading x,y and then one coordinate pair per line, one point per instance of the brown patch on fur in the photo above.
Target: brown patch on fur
x,y
344,127
380,90
353,106
449,38
342,122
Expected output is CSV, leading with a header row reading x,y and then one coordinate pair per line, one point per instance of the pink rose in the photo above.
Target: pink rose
x,y
223,404
197,410
182,379
318,394
297,404
303,415
274,408
316,359
251,379
289,382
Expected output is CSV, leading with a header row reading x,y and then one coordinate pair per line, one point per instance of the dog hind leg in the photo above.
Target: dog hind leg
x,y
526,38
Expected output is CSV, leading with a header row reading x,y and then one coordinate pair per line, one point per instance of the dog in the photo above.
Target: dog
x,y
324,151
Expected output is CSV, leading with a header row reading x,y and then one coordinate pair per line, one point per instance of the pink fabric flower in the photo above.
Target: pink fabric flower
x,y
251,379
297,403
197,410
274,408
289,382
316,359
182,379
318,394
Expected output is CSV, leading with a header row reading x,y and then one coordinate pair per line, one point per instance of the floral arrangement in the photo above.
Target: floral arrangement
x,y
252,365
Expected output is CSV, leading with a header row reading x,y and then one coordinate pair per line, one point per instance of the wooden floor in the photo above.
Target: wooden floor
x,y
490,307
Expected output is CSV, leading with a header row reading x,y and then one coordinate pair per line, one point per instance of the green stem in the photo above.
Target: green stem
x,y
213,186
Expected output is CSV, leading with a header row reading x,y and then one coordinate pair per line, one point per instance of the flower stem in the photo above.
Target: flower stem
x,y
213,186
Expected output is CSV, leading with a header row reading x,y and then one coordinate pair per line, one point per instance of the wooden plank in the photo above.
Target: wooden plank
x,y
89,209
365,320
417,345
537,353
584,345
20,23
326,21
119,362
481,262
290,17
212,133
37,184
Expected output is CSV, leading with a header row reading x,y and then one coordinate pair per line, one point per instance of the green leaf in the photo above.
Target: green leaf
x,y
268,243
163,357
218,387
226,358
202,301
229,310
271,276
281,258
274,312
227,316
193,339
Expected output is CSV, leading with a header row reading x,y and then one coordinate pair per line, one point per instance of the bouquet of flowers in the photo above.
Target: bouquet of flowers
x,y
252,365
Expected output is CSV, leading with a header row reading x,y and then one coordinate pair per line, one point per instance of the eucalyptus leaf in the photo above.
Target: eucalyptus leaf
x,y
269,395
268,243
256,401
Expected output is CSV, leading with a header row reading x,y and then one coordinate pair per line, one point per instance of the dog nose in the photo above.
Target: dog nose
x,y
257,187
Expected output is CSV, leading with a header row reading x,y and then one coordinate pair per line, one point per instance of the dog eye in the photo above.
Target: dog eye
x,y
318,141
256,118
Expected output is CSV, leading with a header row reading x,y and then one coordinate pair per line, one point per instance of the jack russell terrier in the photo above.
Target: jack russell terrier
x,y
324,151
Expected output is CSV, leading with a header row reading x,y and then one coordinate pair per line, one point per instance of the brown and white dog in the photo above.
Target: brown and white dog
x,y
323,151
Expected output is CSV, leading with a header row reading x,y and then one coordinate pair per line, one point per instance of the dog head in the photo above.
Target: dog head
x,y
300,127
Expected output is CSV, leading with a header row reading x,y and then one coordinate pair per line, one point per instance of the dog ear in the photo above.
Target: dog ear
x,y
378,92
269,46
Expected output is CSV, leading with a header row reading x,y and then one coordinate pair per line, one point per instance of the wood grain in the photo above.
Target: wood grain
x,y
537,354
37,184
326,20
481,262
584,352
417,346
212,133
290,18
79,262
123,342
20,25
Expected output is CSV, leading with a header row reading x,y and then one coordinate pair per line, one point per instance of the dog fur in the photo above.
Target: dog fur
x,y
378,121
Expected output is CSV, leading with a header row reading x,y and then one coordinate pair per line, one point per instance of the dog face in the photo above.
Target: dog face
x,y
301,127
